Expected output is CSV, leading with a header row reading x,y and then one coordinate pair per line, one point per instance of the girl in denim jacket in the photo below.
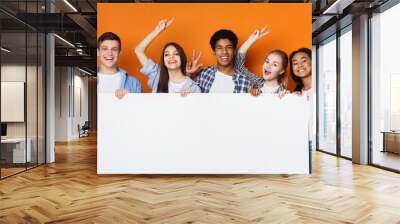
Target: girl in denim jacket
x,y
170,75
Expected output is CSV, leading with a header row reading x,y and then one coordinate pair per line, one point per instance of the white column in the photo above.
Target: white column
x,y
50,94
360,90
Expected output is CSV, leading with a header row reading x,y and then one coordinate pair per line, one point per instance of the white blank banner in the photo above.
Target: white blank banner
x,y
202,134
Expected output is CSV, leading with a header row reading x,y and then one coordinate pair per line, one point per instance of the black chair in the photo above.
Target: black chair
x,y
84,130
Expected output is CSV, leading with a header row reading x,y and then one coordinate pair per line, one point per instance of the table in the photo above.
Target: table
x,y
16,148
391,141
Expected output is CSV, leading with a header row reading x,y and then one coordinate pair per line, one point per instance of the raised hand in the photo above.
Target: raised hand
x,y
142,46
258,34
192,66
163,24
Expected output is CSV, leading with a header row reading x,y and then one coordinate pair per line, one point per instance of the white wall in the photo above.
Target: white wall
x,y
17,73
62,81
33,127
81,103
70,83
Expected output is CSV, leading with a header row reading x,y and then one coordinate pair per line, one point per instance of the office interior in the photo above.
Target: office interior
x,y
49,92
48,80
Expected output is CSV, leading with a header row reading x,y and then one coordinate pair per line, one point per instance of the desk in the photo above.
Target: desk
x,y
391,141
16,148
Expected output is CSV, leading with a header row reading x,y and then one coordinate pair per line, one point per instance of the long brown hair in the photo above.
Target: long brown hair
x,y
282,78
164,77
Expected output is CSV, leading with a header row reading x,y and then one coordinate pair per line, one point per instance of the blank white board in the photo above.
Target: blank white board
x,y
202,134
12,101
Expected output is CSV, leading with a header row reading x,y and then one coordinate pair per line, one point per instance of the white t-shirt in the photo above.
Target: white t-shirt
x,y
176,87
307,94
109,83
269,89
222,83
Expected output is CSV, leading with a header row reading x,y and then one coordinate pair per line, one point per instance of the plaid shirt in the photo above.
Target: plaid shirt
x,y
205,79
256,82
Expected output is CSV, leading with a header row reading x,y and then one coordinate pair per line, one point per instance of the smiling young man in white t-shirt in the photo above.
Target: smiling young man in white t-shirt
x,y
111,78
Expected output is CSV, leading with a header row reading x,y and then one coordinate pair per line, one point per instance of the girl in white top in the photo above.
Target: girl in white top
x,y
170,75
300,72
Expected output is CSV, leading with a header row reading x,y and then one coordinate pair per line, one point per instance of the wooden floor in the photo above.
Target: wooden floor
x,y
70,191
5,172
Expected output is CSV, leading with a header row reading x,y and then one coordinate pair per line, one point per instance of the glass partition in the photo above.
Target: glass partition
x,y
327,96
385,89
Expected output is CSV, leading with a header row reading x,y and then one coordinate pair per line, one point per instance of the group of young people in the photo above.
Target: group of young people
x,y
176,74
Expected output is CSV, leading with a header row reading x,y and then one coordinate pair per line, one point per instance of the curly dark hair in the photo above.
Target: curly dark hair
x,y
223,34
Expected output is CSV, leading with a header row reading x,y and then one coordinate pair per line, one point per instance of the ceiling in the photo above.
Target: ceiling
x,y
76,22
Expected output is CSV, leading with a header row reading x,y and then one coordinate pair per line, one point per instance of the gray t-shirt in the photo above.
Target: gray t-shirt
x,y
109,83
152,70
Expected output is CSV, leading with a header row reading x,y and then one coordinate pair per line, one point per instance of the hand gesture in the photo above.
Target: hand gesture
x,y
120,93
258,34
185,92
254,92
282,93
192,66
298,93
163,24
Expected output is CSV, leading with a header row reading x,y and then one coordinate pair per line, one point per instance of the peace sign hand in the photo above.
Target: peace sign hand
x,y
193,65
258,34
163,24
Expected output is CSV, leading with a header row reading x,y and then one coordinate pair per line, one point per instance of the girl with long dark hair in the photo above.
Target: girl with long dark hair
x,y
300,71
170,75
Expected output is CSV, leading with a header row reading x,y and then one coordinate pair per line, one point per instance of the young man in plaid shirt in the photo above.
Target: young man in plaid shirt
x,y
223,78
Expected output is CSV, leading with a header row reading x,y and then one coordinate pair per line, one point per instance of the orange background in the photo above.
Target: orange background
x,y
194,23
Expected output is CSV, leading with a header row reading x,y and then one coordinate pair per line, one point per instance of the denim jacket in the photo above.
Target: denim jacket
x,y
152,70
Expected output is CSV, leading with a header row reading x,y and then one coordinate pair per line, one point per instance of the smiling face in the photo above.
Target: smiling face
x,y
172,59
108,53
301,64
224,52
273,67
